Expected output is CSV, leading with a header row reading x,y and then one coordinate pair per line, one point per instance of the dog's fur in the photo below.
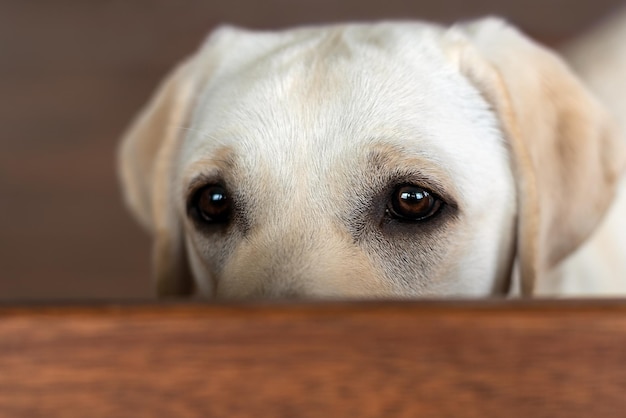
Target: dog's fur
x,y
310,130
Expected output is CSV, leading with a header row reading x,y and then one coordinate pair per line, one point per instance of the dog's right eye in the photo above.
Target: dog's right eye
x,y
211,204
413,203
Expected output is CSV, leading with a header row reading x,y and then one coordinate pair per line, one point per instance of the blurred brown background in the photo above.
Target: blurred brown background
x,y
72,75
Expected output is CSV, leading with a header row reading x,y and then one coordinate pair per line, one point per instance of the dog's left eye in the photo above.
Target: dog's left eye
x,y
212,204
413,203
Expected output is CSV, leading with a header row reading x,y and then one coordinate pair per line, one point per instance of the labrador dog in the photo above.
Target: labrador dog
x,y
387,160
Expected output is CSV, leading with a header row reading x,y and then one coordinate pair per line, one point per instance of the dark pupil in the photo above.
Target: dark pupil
x,y
413,202
214,204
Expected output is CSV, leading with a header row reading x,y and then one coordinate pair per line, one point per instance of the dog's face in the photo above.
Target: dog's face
x,y
353,161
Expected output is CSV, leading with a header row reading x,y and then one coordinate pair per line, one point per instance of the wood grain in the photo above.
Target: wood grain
x,y
470,359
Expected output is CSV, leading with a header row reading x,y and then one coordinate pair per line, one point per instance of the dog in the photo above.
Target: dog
x,y
377,160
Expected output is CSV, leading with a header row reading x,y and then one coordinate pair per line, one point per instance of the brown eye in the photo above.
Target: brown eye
x,y
212,204
412,203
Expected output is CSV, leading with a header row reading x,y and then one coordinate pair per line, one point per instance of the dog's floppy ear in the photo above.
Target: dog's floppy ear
x,y
146,156
566,153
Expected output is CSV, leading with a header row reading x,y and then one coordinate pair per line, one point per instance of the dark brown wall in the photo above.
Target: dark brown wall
x,y
72,74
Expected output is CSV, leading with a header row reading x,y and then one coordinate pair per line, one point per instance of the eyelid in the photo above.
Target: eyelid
x,y
200,181
418,179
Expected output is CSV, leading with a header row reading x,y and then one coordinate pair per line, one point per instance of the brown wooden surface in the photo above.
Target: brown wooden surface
x,y
454,359
73,73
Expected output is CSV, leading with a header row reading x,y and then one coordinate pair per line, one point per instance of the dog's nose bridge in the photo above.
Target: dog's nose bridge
x,y
290,250
287,263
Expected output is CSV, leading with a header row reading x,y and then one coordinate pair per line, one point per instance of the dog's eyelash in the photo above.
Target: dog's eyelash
x,y
200,181
430,185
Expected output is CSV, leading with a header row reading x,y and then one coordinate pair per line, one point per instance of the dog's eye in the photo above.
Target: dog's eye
x,y
212,204
413,203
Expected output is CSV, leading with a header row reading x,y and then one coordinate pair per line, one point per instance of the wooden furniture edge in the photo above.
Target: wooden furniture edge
x,y
431,358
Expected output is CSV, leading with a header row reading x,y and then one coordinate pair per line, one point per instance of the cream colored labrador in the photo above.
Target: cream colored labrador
x,y
390,160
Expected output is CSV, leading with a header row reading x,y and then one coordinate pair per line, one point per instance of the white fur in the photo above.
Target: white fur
x,y
297,114
267,114
598,268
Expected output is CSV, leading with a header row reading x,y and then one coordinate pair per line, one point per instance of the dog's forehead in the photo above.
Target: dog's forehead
x,y
313,80
304,101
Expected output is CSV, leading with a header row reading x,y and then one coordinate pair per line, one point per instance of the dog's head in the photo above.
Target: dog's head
x,y
386,160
